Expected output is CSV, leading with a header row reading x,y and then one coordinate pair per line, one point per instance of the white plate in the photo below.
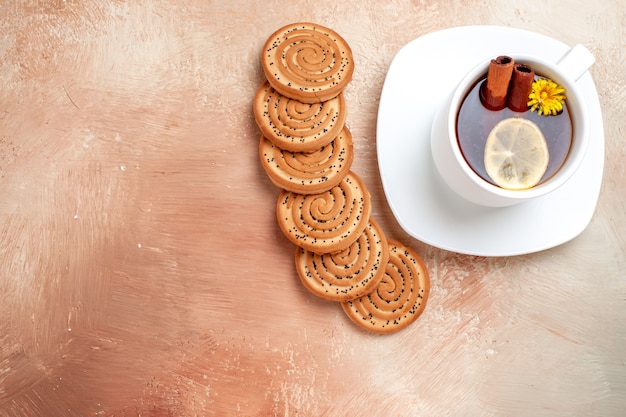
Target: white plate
x,y
422,74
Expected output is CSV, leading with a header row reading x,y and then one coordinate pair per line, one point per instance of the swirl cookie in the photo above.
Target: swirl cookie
x,y
308,172
399,298
325,222
347,274
308,62
297,126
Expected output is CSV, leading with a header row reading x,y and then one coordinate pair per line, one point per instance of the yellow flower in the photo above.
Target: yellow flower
x,y
546,97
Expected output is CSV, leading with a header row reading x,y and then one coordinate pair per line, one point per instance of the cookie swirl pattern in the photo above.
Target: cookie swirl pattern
x,y
347,274
306,149
297,126
308,172
308,62
325,222
400,297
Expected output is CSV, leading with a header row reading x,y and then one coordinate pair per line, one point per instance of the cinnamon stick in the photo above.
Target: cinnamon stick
x,y
521,86
493,91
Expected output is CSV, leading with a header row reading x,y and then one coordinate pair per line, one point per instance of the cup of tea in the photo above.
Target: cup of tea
x,y
503,139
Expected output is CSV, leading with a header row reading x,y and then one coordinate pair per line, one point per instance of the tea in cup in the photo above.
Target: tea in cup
x,y
515,128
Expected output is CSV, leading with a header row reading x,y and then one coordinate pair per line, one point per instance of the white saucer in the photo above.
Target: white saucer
x,y
422,74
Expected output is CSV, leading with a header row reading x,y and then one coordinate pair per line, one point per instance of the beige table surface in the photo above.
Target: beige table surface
x,y
142,271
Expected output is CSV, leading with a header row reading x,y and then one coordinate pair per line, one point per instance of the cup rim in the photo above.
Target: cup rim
x,y
580,129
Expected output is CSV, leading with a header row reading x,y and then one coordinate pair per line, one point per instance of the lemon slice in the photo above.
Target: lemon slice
x,y
516,154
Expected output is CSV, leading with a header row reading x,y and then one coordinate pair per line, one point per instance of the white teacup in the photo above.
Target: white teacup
x,y
449,159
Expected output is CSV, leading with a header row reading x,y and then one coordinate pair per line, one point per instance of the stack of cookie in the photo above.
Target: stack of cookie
x,y
324,208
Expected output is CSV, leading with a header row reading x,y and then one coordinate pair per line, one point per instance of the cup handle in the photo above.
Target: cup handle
x,y
576,61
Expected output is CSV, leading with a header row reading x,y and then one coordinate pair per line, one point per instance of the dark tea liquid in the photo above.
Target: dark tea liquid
x,y
474,122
